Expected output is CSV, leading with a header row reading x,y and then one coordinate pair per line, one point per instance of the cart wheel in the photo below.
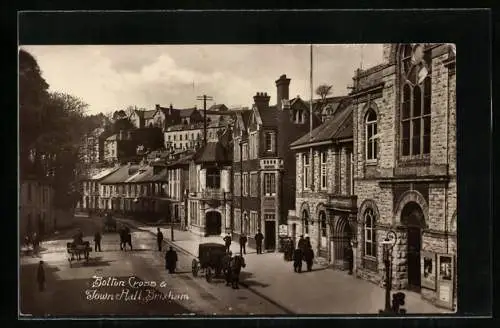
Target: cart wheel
x,y
195,268
209,274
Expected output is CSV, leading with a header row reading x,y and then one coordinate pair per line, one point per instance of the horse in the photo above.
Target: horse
x,y
237,262
79,250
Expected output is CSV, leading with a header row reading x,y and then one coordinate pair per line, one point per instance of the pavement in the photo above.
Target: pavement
x,y
73,290
321,291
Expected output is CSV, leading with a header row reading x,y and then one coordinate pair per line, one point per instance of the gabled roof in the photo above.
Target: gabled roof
x,y
187,112
212,152
120,175
340,126
143,174
268,116
185,160
104,173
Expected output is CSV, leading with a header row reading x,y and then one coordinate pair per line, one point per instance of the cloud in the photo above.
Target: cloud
x,y
113,77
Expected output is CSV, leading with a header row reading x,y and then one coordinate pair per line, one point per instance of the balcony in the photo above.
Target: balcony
x,y
215,194
342,202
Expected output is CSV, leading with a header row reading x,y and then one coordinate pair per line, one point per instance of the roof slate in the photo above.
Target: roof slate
x,y
186,112
212,152
338,127
119,175
148,114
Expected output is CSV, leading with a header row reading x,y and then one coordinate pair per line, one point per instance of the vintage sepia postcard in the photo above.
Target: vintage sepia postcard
x,y
256,180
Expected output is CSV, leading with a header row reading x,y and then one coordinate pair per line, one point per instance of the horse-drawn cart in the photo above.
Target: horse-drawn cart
x,y
209,260
78,251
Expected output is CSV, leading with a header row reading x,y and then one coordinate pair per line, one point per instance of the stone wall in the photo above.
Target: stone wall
x,y
373,187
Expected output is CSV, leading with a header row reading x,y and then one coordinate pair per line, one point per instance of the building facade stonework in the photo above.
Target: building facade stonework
x,y
405,166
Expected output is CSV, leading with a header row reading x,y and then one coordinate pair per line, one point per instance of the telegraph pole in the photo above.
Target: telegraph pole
x,y
204,98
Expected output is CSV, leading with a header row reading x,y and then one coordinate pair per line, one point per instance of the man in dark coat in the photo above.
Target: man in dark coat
x,y
226,265
302,243
348,255
171,260
227,242
243,243
97,241
297,260
159,239
40,276
309,256
259,237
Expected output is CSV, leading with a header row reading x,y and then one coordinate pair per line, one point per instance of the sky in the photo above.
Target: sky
x,y
110,78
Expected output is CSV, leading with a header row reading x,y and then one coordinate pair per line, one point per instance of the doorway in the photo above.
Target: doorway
x,y
342,236
414,242
270,235
413,218
213,223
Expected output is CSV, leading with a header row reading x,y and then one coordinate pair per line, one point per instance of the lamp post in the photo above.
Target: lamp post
x,y
388,245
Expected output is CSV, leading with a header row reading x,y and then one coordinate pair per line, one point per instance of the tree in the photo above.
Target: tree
x,y
33,94
323,90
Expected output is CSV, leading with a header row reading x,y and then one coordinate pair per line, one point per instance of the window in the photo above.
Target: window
x,y
371,142
245,151
213,178
299,117
180,136
254,185
237,219
307,170
269,184
415,101
245,184
305,222
253,223
270,141
237,184
175,137
370,238
324,178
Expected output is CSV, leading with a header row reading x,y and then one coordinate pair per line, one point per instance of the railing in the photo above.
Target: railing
x,y
214,194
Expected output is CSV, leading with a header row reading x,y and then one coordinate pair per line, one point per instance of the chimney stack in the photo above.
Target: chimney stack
x,y
157,106
282,86
261,100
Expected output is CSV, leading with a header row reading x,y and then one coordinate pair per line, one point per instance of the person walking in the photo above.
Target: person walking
x,y
227,242
226,265
243,243
171,260
302,243
309,256
159,239
297,260
97,241
259,237
40,276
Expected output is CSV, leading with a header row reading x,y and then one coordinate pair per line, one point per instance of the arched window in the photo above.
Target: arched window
x,y
415,101
370,241
305,221
371,143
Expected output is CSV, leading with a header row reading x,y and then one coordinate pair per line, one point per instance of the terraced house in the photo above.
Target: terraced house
x,y
135,189
264,168
405,168
325,205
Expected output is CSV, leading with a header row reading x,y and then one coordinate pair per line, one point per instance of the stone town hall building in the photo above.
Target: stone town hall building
x,y
405,168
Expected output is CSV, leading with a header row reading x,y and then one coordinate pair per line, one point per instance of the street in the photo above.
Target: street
x,y
126,282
